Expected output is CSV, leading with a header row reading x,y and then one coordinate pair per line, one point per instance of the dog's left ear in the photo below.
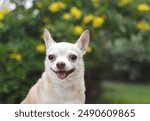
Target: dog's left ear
x,y
48,39
83,41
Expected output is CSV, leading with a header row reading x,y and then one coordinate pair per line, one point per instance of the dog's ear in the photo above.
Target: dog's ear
x,y
47,38
83,41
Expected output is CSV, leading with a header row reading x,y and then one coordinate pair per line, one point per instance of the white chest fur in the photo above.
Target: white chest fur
x,y
68,95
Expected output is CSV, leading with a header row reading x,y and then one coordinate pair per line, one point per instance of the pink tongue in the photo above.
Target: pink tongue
x,y
61,75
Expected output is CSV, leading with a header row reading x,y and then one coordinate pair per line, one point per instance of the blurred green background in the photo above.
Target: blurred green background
x,y
118,58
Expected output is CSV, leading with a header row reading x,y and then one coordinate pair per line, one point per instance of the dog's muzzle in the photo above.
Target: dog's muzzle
x,y
63,74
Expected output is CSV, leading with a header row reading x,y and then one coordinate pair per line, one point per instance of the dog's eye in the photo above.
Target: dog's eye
x,y
51,57
72,57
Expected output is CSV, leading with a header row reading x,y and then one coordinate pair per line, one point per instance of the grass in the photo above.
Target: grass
x,y
118,93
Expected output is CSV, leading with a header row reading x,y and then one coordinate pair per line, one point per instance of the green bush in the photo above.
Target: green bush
x,y
119,46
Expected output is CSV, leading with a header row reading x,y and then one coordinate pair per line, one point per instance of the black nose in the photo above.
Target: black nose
x,y
60,65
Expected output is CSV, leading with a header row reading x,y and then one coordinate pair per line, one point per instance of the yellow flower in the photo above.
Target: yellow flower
x,y
67,16
143,26
78,30
16,56
40,48
98,22
56,6
3,12
87,19
76,12
143,7
89,49
61,5
96,3
39,5
1,16
122,3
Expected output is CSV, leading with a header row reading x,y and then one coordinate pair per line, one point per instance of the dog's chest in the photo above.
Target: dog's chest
x,y
67,95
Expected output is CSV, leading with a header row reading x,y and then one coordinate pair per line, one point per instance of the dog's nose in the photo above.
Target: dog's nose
x,y
60,65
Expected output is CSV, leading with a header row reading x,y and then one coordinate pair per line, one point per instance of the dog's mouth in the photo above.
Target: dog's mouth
x,y
63,74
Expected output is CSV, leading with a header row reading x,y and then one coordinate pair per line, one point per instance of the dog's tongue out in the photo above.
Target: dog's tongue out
x,y
61,74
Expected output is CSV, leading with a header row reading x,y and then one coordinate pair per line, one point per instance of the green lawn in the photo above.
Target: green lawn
x,y
125,93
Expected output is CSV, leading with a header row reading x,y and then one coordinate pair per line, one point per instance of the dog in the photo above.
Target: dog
x,y
62,82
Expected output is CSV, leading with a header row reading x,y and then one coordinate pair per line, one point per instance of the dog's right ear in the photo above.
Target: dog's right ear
x,y
48,39
83,41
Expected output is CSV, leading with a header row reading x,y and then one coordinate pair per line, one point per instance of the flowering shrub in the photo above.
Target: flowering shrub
x,y
143,7
56,6
3,13
119,46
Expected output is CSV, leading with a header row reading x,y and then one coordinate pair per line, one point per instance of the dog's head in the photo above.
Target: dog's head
x,y
64,60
